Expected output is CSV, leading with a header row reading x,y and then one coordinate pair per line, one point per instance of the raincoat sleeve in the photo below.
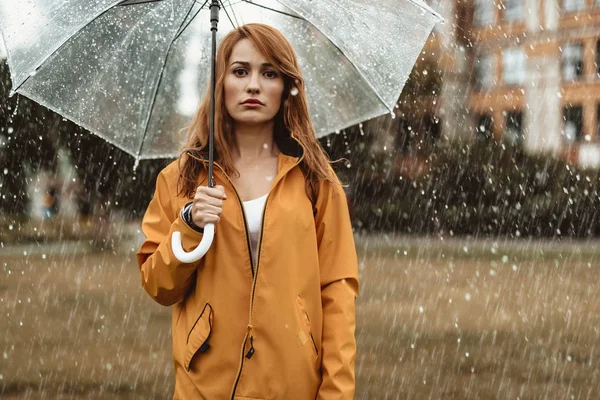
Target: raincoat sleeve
x,y
165,278
339,289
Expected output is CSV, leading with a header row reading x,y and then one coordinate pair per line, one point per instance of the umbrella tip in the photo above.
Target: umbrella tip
x,y
136,163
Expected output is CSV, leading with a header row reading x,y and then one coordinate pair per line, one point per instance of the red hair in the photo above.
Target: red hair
x,y
291,120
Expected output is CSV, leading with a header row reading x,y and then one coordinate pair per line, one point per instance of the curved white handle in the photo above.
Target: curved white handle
x,y
198,252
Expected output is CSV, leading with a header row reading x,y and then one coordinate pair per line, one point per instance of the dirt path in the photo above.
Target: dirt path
x,y
460,320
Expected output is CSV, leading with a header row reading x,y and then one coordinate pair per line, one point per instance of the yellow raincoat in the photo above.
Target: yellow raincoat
x,y
279,326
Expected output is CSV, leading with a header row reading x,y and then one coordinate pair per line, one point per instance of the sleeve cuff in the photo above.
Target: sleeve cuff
x,y
186,216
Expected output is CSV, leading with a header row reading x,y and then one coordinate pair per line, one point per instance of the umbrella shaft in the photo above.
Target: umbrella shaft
x,y
214,20
214,14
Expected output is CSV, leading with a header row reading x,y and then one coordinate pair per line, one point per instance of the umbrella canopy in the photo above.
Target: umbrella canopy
x,y
134,71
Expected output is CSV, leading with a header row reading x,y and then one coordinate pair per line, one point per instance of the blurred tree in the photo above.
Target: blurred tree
x,y
27,142
106,173
418,126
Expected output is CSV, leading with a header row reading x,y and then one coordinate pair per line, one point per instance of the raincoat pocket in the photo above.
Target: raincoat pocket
x,y
305,333
197,341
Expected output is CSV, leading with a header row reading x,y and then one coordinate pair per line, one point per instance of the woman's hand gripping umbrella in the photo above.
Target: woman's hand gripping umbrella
x,y
204,212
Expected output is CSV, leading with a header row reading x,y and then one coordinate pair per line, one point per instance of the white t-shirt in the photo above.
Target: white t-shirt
x,y
254,210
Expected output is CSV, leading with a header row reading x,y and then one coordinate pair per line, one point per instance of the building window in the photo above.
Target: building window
x,y
512,10
598,56
513,133
573,5
573,123
513,66
463,32
484,13
483,127
598,122
572,61
484,71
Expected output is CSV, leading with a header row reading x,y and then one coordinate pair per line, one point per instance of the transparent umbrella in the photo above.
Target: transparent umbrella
x,y
132,71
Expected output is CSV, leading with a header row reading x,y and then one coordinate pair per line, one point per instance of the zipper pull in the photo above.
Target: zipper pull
x,y
205,346
251,351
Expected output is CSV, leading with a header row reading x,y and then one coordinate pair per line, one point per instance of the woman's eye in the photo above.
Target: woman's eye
x,y
239,72
271,74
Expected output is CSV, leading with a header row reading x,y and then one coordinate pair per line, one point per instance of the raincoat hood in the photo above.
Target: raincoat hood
x,y
278,324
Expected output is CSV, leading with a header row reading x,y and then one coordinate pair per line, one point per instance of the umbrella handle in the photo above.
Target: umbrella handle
x,y
198,252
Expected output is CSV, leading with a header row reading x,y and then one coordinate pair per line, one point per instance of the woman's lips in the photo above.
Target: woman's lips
x,y
253,101
252,105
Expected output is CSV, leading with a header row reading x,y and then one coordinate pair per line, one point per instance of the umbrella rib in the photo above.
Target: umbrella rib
x,y
427,8
182,29
226,13
367,81
274,10
162,70
237,24
135,2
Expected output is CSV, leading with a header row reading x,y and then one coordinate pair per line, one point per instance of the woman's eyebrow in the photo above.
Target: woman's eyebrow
x,y
247,64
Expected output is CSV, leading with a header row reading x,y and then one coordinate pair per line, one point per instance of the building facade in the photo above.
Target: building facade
x,y
522,71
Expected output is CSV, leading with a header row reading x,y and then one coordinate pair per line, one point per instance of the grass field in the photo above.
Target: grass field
x,y
459,319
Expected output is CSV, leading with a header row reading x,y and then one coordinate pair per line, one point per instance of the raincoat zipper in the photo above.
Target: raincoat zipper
x,y
252,264
249,327
258,248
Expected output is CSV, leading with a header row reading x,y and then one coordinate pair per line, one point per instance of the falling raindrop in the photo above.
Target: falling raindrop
x,y
14,113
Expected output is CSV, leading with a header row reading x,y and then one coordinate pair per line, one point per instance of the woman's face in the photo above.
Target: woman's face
x,y
253,87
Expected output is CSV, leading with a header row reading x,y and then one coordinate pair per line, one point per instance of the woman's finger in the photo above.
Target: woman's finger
x,y
204,199
217,192
207,209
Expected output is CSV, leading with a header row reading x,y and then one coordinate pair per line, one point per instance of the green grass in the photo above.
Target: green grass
x,y
437,322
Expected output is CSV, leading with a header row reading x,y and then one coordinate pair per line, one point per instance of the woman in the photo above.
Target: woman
x,y
268,312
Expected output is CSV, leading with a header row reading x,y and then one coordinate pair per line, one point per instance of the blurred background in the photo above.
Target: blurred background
x,y
475,209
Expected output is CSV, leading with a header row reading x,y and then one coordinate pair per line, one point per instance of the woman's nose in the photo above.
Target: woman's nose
x,y
253,85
